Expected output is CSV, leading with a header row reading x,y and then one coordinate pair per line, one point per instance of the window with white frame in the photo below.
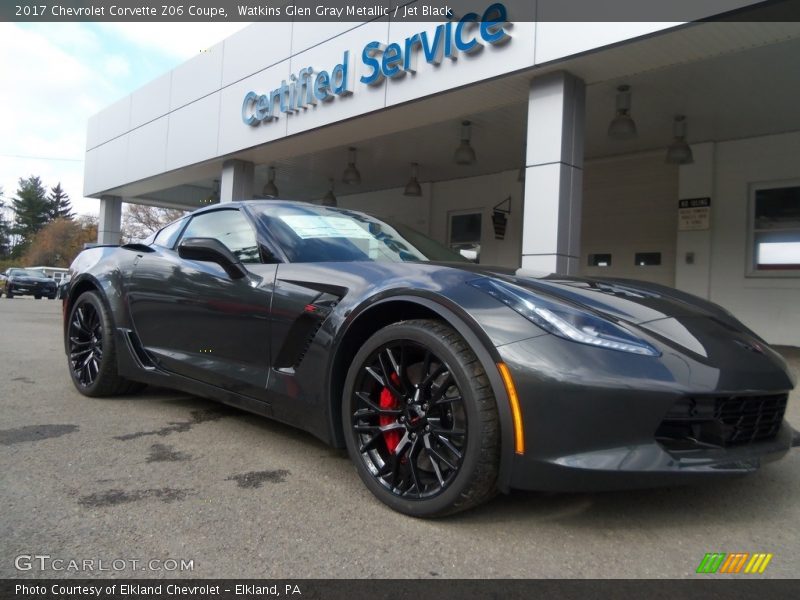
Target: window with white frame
x,y
775,233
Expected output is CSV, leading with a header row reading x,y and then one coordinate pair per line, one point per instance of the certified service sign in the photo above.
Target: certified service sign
x,y
311,86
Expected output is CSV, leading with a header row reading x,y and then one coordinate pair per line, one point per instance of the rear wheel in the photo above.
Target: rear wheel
x,y
92,355
420,420
38,297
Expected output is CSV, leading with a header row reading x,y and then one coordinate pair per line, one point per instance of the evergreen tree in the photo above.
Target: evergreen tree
x,y
5,229
60,206
31,211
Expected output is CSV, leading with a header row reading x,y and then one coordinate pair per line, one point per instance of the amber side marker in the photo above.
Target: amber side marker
x,y
516,413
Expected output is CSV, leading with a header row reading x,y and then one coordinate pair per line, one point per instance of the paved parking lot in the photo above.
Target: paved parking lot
x,y
163,475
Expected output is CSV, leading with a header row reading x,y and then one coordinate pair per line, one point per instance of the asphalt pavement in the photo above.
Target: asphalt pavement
x,y
167,477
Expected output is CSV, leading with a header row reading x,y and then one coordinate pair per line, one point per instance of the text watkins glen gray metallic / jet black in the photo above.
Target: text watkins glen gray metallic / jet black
x,y
445,380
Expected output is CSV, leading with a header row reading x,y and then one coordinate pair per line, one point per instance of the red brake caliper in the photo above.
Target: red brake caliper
x,y
388,400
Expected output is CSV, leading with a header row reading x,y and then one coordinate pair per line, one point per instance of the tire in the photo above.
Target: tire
x,y
425,440
9,295
38,297
91,351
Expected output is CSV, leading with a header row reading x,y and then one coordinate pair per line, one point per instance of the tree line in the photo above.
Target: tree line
x,y
39,227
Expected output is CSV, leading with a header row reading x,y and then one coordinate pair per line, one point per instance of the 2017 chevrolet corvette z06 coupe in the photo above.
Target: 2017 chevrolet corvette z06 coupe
x,y
446,381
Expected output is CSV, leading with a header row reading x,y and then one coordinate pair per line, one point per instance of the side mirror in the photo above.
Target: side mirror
x,y
212,250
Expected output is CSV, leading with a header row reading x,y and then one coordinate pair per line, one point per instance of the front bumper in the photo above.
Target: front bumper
x,y
590,415
32,289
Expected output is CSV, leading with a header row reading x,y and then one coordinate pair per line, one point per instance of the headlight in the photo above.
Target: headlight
x,y
564,320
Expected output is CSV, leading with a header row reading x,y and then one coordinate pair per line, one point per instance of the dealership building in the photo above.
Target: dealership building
x,y
661,151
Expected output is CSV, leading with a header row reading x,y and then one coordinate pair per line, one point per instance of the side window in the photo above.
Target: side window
x,y
167,237
229,227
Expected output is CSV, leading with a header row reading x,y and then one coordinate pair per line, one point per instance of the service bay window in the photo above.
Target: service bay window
x,y
775,229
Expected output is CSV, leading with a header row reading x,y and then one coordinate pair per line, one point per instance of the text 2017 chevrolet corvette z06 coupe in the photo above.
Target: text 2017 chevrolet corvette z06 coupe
x,y
445,380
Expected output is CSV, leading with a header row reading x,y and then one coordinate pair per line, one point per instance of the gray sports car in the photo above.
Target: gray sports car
x,y
446,381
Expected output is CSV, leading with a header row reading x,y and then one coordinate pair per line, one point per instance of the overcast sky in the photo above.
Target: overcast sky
x,y
56,75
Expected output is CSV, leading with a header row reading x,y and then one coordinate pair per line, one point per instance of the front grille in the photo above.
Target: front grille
x,y
721,421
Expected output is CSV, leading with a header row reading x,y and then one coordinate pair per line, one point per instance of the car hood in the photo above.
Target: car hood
x,y
707,331
636,302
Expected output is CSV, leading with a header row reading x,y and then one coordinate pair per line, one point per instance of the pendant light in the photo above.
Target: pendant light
x,y
351,174
270,189
465,153
412,187
679,152
622,126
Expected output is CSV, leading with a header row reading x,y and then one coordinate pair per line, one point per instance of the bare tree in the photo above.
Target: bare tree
x,y
140,220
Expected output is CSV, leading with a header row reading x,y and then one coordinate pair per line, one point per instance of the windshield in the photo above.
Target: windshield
x,y
308,233
24,273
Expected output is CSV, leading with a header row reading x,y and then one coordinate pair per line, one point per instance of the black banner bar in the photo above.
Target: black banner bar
x,y
300,11
704,587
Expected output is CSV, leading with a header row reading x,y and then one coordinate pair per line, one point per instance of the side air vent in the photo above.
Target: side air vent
x,y
303,330
307,345
137,350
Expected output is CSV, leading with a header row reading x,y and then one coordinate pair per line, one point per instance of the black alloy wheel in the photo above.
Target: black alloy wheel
x,y
421,421
91,352
85,343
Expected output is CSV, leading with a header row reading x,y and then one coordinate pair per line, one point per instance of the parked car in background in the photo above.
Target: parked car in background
x,y
24,282
57,274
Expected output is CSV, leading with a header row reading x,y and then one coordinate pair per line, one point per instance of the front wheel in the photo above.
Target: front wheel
x,y
92,355
420,420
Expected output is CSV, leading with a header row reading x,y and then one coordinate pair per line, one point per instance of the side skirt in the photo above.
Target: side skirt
x,y
134,364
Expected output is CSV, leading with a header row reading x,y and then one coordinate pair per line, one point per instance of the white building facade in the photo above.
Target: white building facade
x,y
717,216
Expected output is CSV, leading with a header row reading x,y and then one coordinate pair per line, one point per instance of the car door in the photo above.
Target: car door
x,y
197,321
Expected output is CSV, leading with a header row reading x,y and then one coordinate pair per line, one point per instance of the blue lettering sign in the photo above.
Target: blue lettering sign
x,y
469,36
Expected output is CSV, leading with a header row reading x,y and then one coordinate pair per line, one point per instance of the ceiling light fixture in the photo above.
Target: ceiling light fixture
x,y
270,189
679,152
412,187
622,126
465,153
351,174
330,197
